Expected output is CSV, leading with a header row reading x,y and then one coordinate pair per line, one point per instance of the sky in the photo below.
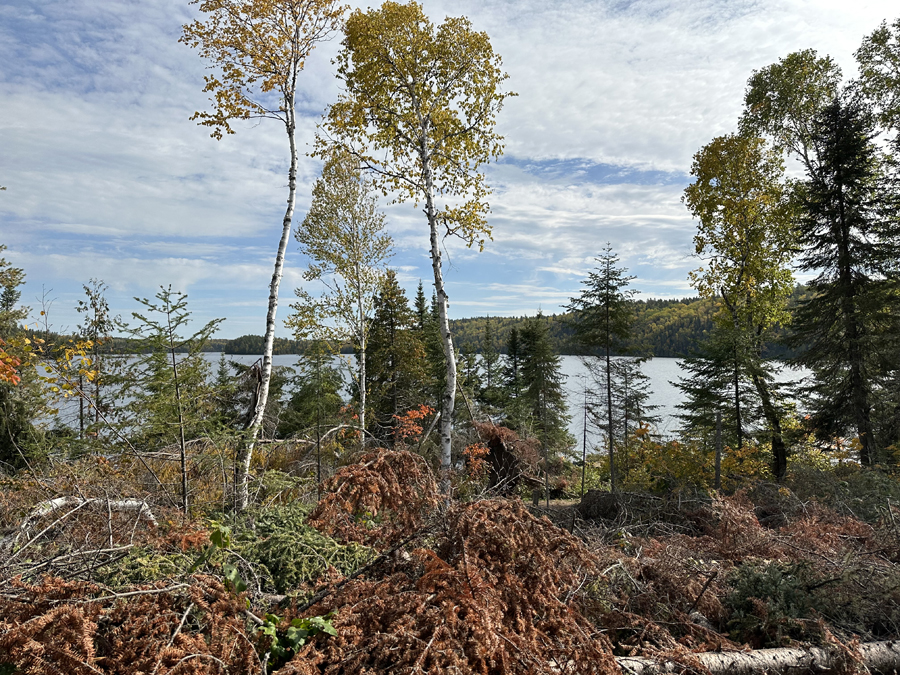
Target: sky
x,y
107,178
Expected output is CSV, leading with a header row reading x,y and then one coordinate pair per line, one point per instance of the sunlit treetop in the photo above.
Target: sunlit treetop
x,y
879,71
747,234
257,48
783,99
419,108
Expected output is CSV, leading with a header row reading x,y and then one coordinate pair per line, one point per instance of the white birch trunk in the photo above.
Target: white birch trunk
x,y
363,335
448,400
245,452
51,506
877,657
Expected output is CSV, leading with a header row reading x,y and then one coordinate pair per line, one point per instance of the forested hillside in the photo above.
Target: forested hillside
x,y
665,328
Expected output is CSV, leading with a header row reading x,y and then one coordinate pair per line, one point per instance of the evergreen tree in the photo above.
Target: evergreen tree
x,y
435,363
543,394
847,328
602,317
489,394
421,308
631,391
397,378
315,401
168,384
716,383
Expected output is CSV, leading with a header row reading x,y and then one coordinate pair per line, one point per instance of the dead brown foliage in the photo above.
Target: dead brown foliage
x,y
75,628
497,594
378,500
510,457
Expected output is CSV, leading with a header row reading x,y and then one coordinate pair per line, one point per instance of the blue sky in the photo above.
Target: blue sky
x,y
107,178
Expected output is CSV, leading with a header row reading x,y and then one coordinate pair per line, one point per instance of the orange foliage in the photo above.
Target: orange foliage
x,y
8,366
497,595
57,627
378,500
476,463
408,427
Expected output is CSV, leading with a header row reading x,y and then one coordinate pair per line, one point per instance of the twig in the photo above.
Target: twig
x,y
13,538
174,635
129,594
702,591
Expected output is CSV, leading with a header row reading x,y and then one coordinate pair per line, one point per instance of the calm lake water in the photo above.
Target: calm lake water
x,y
661,371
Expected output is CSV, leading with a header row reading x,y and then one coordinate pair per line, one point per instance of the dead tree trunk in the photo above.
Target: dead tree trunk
x,y
877,657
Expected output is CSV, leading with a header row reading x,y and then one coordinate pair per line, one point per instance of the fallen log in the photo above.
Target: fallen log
x,y
50,506
876,657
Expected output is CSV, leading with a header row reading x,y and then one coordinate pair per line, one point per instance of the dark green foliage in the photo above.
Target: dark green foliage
x,y
397,380
490,392
169,402
602,320
315,402
631,392
542,386
770,604
851,236
421,307
710,387
289,552
602,314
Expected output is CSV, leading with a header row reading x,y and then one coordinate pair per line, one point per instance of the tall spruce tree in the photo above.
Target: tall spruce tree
x,y
397,377
851,237
601,319
543,391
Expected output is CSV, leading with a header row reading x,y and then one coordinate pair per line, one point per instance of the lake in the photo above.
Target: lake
x,y
661,371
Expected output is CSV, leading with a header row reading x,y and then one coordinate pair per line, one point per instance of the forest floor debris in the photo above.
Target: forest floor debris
x,y
383,575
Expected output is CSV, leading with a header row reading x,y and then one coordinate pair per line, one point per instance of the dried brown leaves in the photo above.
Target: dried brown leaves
x,y
377,501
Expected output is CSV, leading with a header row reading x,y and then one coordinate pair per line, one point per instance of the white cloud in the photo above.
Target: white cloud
x,y
109,178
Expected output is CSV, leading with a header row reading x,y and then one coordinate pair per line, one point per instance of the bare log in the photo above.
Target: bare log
x,y
877,657
51,506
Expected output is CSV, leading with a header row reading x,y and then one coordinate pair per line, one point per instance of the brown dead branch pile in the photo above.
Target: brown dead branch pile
x,y
511,458
79,629
497,593
378,500
813,576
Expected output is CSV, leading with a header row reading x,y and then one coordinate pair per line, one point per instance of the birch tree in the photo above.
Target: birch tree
x,y
783,99
344,236
418,109
747,236
257,49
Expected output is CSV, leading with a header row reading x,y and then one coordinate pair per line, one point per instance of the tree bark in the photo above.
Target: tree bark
x,y
448,400
50,506
878,657
779,451
245,451
363,340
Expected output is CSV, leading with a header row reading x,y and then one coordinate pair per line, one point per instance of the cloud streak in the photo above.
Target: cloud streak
x,y
109,178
